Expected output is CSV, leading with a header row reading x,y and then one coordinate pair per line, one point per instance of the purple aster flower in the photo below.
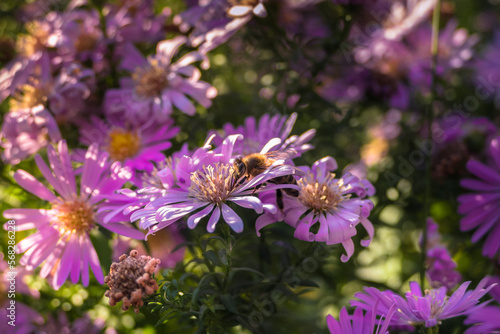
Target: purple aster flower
x,y
26,319
157,84
486,318
256,134
417,309
134,21
215,21
328,202
136,145
62,240
359,323
480,209
487,66
25,133
206,182
61,324
82,38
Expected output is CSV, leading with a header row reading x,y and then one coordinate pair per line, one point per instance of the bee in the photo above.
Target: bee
x,y
254,164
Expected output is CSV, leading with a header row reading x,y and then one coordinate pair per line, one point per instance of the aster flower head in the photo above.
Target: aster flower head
x,y
136,145
416,309
480,208
329,202
62,241
207,182
158,84
485,318
130,280
359,323
258,133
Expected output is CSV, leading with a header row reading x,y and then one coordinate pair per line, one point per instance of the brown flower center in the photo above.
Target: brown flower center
x,y
321,197
86,42
150,80
123,144
75,216
29,96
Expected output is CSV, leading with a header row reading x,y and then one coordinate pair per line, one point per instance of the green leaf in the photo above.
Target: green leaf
x,y
228,303
165,317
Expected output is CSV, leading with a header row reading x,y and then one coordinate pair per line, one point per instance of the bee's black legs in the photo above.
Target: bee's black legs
x,y
279,198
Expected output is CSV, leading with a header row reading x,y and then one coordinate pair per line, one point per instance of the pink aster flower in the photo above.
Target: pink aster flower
x,y
158,84
136,145
257,133
417,309
359,323
62,241
480,208
329,202
205,187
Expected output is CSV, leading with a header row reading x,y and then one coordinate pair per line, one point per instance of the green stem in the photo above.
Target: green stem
x,y
430,120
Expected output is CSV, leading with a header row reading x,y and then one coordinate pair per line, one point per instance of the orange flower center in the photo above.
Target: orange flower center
x,y
75,216
150,80
321,197
123,144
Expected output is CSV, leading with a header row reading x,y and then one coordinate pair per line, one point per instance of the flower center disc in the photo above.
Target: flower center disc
x,y
85,42
123,144
30,96
321,197
212,184
34,41
150,80
74,216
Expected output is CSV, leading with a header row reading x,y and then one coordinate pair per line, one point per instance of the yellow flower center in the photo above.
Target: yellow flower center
x,y
150,80
34,41
30,96
321,197
75,216
212,184
123,144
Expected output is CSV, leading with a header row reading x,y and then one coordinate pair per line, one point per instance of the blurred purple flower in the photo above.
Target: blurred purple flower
x,y
359,323
487,66
441,269
25,133
256,134
134,21
135,145
207,183
417,309
327,200
62,240
481,208
157,84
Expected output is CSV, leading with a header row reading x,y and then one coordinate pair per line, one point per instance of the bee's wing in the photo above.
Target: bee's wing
x,y
281,154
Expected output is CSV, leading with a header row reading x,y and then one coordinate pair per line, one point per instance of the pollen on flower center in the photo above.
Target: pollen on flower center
x,y
150,80
321,197
30,96
212,184
123,144
74,216
34,41
85,42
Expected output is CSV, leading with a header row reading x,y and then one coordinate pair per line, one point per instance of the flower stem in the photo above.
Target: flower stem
x,y
430,120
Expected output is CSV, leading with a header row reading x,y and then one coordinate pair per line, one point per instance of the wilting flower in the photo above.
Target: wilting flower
x,y
207,184
136,145
256,134
329,201
481,208
359,323
130,280
25,133
417,309
62,241
157,84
